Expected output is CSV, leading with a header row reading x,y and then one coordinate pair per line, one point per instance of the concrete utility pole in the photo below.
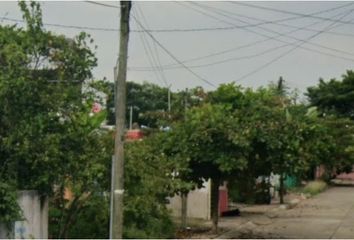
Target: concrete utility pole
x,y
118,171
131,118
169,98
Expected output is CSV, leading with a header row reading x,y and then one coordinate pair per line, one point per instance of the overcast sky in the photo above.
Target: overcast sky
x,y
219,42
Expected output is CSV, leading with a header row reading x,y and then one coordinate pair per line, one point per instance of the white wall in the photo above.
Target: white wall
x,y
35,221
198,203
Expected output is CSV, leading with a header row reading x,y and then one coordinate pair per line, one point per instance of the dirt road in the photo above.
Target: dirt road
x,y
327,215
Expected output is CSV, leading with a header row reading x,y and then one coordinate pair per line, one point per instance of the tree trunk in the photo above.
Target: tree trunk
x,y
184,199
69,215
215,204
281,189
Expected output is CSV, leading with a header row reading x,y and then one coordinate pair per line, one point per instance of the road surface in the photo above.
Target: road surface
x,y
327,215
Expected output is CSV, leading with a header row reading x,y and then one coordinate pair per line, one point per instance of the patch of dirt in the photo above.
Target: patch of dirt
x,y
198,233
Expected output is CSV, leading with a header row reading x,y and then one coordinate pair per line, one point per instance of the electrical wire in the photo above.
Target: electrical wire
x,y
332,25
261,34
176,66
154,62
171,55
290,12
102,4
286,25
176,30
155,52
280,34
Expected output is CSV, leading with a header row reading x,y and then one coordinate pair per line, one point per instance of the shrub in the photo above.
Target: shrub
x,y
315,187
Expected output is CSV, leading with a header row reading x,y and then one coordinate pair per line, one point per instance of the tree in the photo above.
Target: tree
x,y
204,145
149,181
146,99
150,102
334,100
334,96
340,158
277,134
40,86
86,155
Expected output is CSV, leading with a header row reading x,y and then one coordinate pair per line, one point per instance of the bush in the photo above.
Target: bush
x,y
92,220
147,184
9,209
315,187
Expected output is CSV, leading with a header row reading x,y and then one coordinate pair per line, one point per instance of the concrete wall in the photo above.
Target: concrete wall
x,y
198,203
35,218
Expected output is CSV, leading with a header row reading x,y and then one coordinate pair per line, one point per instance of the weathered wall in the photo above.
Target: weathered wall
x,y
198,204
35,221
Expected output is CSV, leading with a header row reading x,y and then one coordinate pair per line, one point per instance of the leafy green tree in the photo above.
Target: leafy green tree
x,y
31,102
334,96
149,101
149,181
341,133
277,134
203,143
40,86
86,155
334,100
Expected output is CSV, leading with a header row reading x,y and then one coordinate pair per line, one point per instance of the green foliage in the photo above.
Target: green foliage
x,y
341,133
273,134
203,143
85,171
50,140
334,96
149,101
334,99
315,187
148,183
30,126
92,221
9,209
47,139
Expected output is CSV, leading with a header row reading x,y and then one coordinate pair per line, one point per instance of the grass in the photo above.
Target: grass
x,y
315,187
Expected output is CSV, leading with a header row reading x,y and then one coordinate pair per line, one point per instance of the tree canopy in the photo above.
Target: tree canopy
x,y
334,96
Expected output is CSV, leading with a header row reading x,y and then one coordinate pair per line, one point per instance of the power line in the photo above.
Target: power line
x,y
155,52
289,51
2,19
260,34
175,66
291,13
186,30
153,59
172,56
67,26
272,31
288,25
102,4
280,34
222,61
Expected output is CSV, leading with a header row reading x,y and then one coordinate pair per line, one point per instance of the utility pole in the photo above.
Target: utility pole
x,y
131,118
185,101
169,98
184,194
118,171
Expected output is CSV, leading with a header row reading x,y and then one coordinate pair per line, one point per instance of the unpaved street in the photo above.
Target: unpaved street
x,y
327,215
